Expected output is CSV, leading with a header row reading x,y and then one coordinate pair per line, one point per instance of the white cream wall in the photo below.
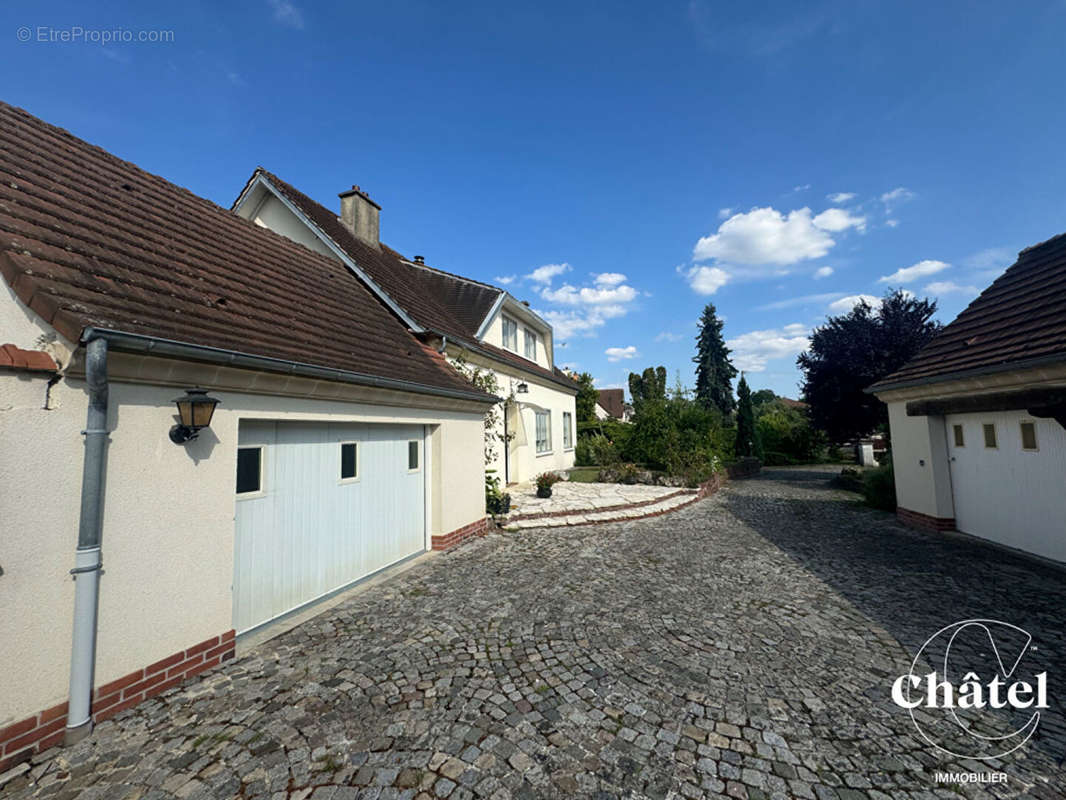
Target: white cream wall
x,y
273,214
494,335
920,462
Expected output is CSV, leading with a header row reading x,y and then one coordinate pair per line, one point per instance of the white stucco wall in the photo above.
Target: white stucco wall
x,y
168,527
920,465
494,336
273,214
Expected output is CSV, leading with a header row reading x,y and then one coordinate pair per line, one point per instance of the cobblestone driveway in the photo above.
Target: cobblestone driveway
x,y
744,646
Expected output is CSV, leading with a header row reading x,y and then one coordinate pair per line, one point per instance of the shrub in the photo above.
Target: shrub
x,y
547,479
604,452
496,501
583,456
879,487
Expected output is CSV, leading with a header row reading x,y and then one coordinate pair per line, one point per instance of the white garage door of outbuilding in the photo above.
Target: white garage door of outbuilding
x,y
319,506
1008,479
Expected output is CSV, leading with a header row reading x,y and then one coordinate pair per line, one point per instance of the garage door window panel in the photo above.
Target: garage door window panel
x,y
349,452
990,436
249,471
960,440
414,459
1029,436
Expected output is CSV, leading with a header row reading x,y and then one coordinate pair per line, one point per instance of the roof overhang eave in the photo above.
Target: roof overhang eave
x,y
947,377
150,345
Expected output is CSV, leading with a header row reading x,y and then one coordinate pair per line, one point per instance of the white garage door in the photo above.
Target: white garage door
x,y
320,506
1008,478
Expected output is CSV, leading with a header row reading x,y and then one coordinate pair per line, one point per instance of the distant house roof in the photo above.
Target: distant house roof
x,y
1019,319
439,301
788,401
90,240
613,401
15,358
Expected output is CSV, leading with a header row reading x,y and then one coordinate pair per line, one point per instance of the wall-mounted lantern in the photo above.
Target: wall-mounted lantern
x,y
522,388
195,409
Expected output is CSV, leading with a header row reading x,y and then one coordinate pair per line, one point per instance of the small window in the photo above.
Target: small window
x,y
249,470
510,334
1029,436
990,435
349,461
544,432
959,441
568,435
412,456
531,344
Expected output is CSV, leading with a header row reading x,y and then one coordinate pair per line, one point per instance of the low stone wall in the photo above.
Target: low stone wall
x,y
446,541
924,522
745,468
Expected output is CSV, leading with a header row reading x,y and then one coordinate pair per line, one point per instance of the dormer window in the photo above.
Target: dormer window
x,y
510,334
531,344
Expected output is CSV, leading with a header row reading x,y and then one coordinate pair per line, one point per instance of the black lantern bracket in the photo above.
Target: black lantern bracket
x,y
195,410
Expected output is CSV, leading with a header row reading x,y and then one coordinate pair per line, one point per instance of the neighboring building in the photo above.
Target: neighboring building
x,y
342,443
612,404
483,324
978,417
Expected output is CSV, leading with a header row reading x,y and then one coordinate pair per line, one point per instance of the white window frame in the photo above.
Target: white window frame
x,y
262,474
513,324
358,458
547,430
1036,437
529,338
418,450
568,431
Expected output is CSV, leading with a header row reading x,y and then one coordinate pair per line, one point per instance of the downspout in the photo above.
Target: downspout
x,y
87,561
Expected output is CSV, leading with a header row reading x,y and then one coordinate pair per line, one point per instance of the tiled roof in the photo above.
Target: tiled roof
x,y
87,239
613,401
1020,318
436,300
16,358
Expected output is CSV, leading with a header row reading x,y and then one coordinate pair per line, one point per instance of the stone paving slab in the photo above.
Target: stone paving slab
x,y
741,647
574,497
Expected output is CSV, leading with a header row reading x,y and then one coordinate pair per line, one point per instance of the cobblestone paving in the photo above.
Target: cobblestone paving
x,y
742,647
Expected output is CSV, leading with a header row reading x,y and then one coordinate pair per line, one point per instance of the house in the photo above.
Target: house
x,y
978,417
612,405
342,443
481,324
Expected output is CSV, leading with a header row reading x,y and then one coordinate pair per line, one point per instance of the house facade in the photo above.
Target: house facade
x,y
978,417
466,320
342,442
611,404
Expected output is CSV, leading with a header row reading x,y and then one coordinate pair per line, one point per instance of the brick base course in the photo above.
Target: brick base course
x,y
924,522
20,740
446,541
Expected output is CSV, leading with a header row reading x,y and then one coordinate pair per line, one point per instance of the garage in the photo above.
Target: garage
x,y
320,506
1007,472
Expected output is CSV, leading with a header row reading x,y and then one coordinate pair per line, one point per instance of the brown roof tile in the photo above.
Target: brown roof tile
x,y
87,239
12,357
613,402
438,301
1020,318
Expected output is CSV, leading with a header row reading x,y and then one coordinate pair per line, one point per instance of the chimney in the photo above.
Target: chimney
x,y
420,259
361,216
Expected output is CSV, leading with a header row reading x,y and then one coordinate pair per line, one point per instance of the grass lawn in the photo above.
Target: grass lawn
x,y
584,474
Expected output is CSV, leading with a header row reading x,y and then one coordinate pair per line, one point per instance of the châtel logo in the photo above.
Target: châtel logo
x,y
977,700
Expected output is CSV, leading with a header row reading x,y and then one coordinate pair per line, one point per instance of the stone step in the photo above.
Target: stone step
x,y
616,515
516,514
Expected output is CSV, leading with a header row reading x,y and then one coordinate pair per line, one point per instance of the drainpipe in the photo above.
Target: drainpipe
x,y
87,561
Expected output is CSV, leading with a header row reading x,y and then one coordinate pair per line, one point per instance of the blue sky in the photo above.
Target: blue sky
x,y
619,164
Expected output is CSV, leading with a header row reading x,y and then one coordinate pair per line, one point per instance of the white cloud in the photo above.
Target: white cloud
x,y
725,213
285,13
900,194
752,350
992,258
823,272
892,223
922,269
620,353
765,236
568,295
666,336
801,188
705,280
840,197
837,219
547,272
949,287
803,300
608,279
505,280
845,304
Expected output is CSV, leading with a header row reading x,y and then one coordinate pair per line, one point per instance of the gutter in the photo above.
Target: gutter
x,y
977,372
487,354
87,560
151,345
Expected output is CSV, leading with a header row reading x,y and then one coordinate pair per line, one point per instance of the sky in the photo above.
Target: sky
x,y
618,165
